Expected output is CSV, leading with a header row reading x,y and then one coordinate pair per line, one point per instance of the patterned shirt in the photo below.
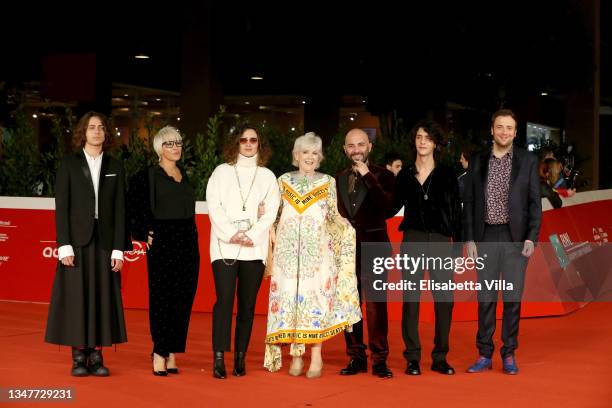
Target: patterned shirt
x,y
498,189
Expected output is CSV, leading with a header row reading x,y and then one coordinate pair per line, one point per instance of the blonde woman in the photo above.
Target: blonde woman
x,y
313,289
162,214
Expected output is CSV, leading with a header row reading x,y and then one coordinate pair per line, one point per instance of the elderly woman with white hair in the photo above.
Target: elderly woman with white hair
x,y
313,288
162,214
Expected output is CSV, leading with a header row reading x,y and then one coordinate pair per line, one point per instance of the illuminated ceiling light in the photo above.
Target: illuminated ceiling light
x,y
141,56
126,95
156,113
124,109
247,102
303,102
179,118
257,78
363,101
293,129
35,116
544,93
263,107
158,99
352,119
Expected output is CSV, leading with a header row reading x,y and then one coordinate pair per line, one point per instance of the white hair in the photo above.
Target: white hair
x,y
163,135
308,141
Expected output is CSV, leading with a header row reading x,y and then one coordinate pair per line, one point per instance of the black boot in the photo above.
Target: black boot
x,y
239,366
219,366
79,363
95,364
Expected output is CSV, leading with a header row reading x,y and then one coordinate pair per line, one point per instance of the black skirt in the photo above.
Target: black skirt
x,y
86,307
173,263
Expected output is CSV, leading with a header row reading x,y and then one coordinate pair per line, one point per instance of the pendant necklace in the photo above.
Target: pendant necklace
x,y
425,192
244,199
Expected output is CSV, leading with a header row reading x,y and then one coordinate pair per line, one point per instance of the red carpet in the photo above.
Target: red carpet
x,y
564,361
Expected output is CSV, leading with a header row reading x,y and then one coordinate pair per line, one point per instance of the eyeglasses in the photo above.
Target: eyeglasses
x,y
251,140
170,144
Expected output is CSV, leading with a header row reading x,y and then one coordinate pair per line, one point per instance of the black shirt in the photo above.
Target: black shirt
x,y
440,213
358,188
173,200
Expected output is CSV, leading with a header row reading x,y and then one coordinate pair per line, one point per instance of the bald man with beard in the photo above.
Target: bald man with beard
x,y
365,196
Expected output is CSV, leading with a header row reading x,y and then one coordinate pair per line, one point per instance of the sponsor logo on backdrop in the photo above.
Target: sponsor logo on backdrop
x,y
571,249
600,236
133,256
49,252
4,259
4,236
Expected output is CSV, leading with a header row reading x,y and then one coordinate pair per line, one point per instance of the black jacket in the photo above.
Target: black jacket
x,y
524,203
441,213
369,218
75,203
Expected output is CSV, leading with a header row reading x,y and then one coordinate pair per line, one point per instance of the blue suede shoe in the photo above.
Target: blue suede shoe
x,y
480,365
510,366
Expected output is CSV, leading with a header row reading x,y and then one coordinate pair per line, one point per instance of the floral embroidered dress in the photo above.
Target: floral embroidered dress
x,y
313,288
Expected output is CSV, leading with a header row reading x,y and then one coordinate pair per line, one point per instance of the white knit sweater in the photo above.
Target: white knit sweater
x,y
225,206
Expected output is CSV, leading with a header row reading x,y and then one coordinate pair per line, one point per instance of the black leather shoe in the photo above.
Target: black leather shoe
x,y
95,364
79,363
413,368
381,370
442,367
239,366
219,366
356,365
163,373
173,370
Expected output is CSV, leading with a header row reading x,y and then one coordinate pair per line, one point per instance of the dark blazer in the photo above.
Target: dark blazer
x,y
444,205
373,203
524,203
75,203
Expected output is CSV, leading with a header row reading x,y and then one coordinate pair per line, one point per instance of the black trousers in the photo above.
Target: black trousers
x,y
247,275
376,318
428,245
503,257
173,262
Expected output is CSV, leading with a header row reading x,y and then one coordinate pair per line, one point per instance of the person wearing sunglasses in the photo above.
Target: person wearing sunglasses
x,y
243,199
161,205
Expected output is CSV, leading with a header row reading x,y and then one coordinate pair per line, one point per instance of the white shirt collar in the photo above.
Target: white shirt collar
x,y
89,157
